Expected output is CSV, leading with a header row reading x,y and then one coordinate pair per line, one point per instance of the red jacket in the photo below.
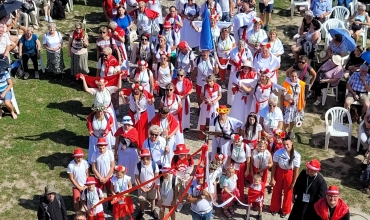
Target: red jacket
x,y
322,209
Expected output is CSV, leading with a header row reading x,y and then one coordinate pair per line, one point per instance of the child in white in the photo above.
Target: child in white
x,y
229,190
91,196
167,192
215,172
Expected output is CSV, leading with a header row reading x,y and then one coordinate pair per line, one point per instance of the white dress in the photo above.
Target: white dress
x,y
208,111
120,184
256,38
243,19
242,102
236,56
277,48
128,158
230,126
173,105
98,130
270,63
144,80
185,117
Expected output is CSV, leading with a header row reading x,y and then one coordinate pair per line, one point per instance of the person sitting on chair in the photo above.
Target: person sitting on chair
x,y
337,46
321,9
28,8
5,85
358,87
4,45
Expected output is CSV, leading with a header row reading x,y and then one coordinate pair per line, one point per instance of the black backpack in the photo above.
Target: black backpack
x,y
58,10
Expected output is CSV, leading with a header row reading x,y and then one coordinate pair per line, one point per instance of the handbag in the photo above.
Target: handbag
x,y
321,73
356,27
27,7
155,29
132,37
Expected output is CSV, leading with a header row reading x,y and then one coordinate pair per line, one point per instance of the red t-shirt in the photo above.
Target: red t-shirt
x,y
181,166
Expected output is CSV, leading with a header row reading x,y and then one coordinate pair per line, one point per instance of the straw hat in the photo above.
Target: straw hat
x,y
337,59
248,64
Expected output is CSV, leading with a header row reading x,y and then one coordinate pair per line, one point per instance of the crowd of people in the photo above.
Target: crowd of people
x,y
253,137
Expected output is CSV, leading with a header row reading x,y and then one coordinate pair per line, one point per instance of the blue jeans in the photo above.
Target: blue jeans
x,y
206,216
8,95
225,16
344,3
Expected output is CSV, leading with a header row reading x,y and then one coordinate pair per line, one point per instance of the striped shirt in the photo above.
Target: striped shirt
x,y
4,81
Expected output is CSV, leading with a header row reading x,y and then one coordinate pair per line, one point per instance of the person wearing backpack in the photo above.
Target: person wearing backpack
x,y
145,170
167,192
105,40
90,197
118,34
185,58
157,146
51,206
175,20
160,48
145,50
189,12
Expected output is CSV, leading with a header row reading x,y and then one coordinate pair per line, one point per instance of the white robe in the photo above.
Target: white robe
x,y
185,117
277,48
239,109
174,106
242,19
270,63
212,113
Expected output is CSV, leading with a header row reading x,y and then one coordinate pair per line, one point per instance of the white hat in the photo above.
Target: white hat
x,y
127,120
337,59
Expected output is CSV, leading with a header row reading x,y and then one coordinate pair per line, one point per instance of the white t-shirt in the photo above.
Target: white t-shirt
x,y
173,104
240,154
78,171
4,42
270,2
225,45
164,75
225,5
157,52
103,97
261,159
52,41
183,61
271,119
230,183
147,173
271,63
202,205
92,198
250,136
102,162
120,184
282,157
205,68
157,150
111,71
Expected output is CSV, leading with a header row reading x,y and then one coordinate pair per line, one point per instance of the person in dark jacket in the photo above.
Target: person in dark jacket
x,y
309,188
51,206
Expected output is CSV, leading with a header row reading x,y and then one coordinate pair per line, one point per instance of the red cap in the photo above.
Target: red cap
x,y
102,141
90,180
183,45
145,153
78,152
314,165
167,24
333,190
199,173
120,168
181,149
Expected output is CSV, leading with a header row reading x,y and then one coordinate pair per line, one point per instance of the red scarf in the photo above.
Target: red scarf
x,y
188,86
172,122
131,134
90,119
258,103
322,209
175,26
78,35
149,13
179,110
254,194
250,75
244,36
111,61
207,89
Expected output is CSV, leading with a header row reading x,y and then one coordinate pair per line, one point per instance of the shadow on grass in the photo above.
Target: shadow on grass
x,y
33,204
72,107
56,160
62,136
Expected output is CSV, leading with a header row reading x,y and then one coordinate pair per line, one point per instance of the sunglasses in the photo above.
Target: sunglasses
x,y
78,28
301,62
169,89
271,105
126,119
154,135
180,75
144,39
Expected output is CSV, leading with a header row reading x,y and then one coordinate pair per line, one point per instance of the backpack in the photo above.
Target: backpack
x,y
138,165
157,47
150,47
195,5
85,192
173,180
224,135
58,10
210,59
43,198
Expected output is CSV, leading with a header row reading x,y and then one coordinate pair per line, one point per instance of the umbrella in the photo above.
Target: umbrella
x,y
351,44
9,7
366,56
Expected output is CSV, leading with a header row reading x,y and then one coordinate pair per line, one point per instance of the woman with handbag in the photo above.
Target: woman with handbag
x,y
53,43
77,50
29,48
329,73
359,19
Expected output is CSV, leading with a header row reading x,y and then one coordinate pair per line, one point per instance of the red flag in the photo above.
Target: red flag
x,y
149,13
90,80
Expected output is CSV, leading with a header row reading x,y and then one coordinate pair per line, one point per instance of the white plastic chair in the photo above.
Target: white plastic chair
x,y
359,135
336,127
353,6
295,3
13,101
329,24
341,13
364,35
325,93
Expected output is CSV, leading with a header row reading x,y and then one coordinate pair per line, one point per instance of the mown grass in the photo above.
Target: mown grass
x,y
37,147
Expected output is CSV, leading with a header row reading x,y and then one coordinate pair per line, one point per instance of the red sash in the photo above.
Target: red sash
x,y
216,87
188,86
90,118
254,194
172,122
322,209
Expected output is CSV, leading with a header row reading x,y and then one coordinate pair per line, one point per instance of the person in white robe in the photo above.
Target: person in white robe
x,y
265,60
256,36
277,47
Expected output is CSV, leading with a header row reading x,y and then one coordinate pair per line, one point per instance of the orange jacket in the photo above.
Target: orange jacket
x,y
289,90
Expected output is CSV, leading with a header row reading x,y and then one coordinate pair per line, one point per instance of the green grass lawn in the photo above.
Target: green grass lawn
x,y
37,147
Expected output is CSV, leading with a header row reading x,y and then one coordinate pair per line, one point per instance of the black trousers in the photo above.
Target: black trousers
x,y
317,86
26,57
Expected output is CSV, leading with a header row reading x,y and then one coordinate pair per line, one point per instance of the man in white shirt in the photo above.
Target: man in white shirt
x,y
103,166
4,45
203,67
226,7
145,170
156,145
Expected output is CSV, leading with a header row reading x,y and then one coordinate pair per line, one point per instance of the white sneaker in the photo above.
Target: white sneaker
x,y
26,75
37,76
46,18
50,20
179,207
35,27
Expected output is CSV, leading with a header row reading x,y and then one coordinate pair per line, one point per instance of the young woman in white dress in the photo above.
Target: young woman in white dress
x,y
256,36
